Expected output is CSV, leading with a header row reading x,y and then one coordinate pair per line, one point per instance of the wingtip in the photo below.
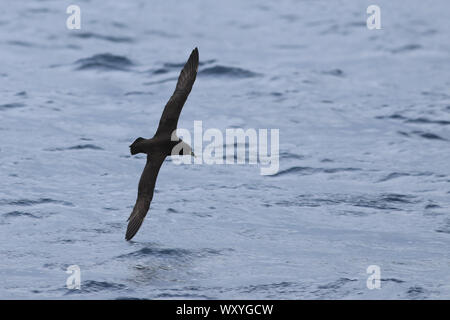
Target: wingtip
x,y
194,58
129,235
134,224
195,53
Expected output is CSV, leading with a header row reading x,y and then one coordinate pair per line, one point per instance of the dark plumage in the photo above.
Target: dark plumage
x,y
161,145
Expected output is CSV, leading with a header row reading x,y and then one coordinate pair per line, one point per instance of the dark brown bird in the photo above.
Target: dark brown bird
x,y
162,144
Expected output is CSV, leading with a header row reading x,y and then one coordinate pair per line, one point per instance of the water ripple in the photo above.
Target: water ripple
x,y
224,71
77,147
310,170
11,105
29,202
104,62
91,35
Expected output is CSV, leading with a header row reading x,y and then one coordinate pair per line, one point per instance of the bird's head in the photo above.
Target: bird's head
x,y
137,141
134,147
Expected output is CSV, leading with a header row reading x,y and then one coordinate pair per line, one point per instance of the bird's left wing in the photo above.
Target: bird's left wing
x,y
145,193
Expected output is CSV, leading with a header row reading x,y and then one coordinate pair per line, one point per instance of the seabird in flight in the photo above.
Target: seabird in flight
x,y
161,145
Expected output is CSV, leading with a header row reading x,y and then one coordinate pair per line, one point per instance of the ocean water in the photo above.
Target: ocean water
x,y
364,177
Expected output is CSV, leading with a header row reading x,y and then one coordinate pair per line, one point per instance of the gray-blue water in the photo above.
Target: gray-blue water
x,y
364,179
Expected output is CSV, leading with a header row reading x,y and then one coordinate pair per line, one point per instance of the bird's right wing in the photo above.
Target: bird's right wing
x,y
145,193
172,110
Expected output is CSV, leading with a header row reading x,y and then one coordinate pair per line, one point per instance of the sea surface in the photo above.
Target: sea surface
x,y
364,136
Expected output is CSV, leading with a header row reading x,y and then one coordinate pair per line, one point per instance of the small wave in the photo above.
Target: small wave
x,y
280,287
85,146
393,175
356,24
432,206
407,48
289,155
161,33
384,201
105,62
147,251
11,105
310,201
428,121
336,284
381,202
15,214
96,286
395,197
183,296
445,228
159,81
394,116
91,35
170,66
174,65
138,93
302,170
21,94
416,292
99,230
39,10
160,71
60,241
336,170
170,253
392,280
276,94
28,202
437,95
119,25
224,71
21,43
77,147
334,72
420,120
111,209
428,135
309,170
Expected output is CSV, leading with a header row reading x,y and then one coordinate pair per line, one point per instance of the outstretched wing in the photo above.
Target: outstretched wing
x,y
172,110
145,193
